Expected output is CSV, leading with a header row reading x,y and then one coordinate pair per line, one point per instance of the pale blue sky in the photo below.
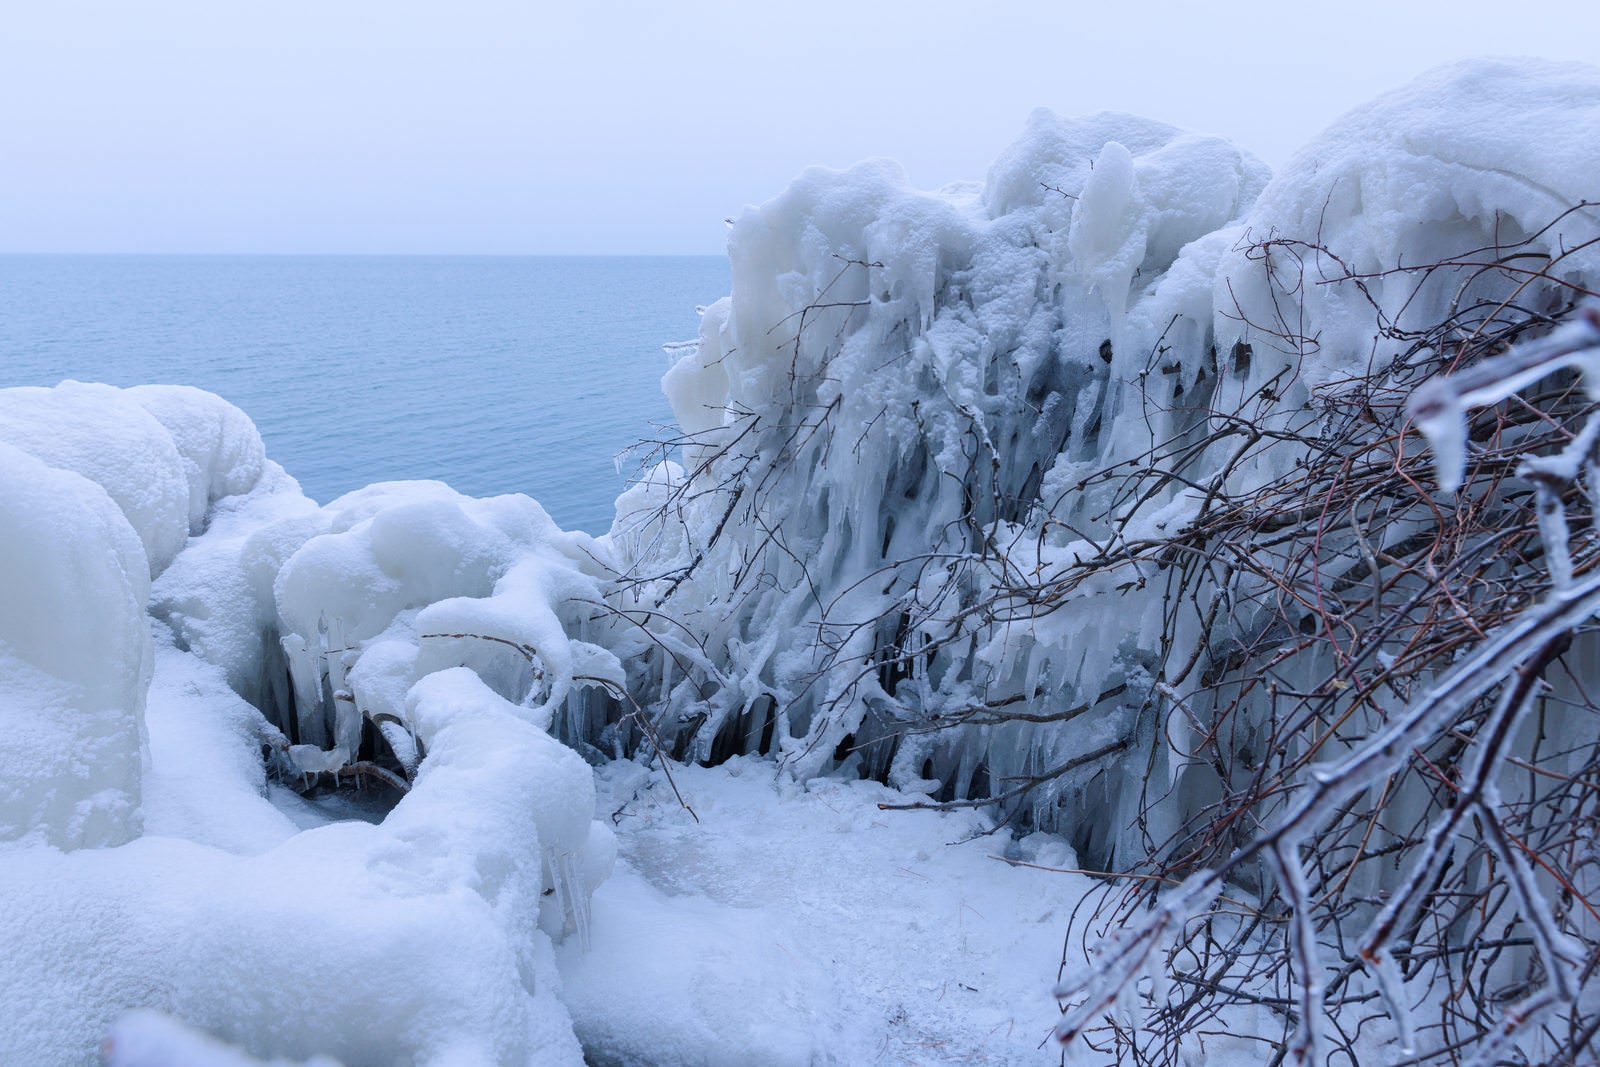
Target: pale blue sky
x,y
609,127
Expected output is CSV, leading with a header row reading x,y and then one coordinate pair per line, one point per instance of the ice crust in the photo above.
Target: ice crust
x,y
888,360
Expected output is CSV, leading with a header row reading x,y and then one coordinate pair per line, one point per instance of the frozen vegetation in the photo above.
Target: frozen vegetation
x,y
1037,559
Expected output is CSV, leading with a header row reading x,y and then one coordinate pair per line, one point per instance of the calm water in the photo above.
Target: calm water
x,y
495,374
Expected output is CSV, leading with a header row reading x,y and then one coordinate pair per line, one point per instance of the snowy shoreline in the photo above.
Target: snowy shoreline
x,y
869,555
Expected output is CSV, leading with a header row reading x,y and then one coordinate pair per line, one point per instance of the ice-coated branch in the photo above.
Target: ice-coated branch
x,y
1439,407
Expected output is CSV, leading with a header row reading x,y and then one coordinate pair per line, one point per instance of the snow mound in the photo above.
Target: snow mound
x,y
421,938
163,453
341,941
219,446
99,432
74,658
246,920
103,487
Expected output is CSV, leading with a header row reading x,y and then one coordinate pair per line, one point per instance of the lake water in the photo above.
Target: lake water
x,y
495,374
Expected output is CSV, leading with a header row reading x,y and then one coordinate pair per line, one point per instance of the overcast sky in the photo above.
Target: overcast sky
x,y
608,127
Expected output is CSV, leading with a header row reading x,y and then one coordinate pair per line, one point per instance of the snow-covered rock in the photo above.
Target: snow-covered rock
x,y
74,658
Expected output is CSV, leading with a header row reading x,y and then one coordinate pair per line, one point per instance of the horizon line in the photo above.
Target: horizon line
x,y
5,253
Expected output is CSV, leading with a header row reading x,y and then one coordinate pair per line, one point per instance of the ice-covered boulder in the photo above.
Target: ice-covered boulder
x,y
74,658
164,453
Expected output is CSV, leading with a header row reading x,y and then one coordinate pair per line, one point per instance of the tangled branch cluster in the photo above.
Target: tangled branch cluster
x,y
1392,742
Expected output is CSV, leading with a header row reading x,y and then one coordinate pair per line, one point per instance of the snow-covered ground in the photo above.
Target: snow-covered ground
x,y
798,923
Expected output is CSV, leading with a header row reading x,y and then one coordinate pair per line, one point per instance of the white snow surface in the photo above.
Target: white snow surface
x,y
1474,155
146,1038
74,658
798,924
179,620
161,452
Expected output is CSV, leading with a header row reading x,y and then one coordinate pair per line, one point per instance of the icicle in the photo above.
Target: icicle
x,y
567,893
1438,413
1393,988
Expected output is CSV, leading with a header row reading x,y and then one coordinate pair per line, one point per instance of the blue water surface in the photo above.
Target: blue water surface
x,y
495,374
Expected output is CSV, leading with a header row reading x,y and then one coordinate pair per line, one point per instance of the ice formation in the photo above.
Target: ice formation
x,y
868,554
900,378
897,426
